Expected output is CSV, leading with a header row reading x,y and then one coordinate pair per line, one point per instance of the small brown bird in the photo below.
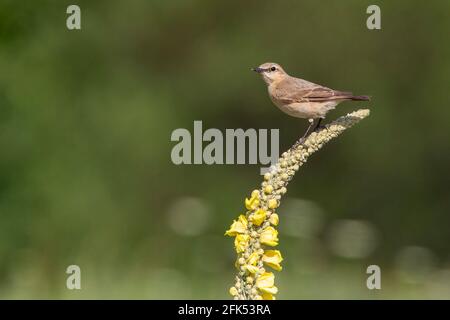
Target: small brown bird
x,y
300,98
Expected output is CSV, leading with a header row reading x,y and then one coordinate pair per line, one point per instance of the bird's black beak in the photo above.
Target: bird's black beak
x,y
258,69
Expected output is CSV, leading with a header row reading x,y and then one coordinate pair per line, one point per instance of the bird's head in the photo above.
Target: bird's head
x,y
270,72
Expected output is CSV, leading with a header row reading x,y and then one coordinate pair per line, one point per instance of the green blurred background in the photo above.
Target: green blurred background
x,y
86,176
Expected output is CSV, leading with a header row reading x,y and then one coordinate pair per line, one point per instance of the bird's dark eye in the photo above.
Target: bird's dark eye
x,y
273,69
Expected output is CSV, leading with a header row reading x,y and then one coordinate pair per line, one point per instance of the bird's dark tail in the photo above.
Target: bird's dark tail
x,y
360,98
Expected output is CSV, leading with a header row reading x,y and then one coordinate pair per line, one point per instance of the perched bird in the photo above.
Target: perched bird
x,y
300,98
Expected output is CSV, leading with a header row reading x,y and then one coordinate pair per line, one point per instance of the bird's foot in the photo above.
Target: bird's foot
x,y
319,128
300,141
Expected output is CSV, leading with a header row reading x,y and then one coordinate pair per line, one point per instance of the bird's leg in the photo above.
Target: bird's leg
x,y
311,124
318,124
302,139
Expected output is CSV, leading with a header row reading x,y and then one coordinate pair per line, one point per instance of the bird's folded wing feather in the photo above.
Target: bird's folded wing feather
x,y
305,91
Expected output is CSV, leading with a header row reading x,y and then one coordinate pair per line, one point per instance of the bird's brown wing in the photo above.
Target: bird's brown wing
x,y
304,91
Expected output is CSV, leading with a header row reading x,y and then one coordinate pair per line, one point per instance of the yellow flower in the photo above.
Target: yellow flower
x,y
265,283
273,259
241,242
258,217
238,226
251,269
268,296
273,203
253,202
271,290
268,189
274,219
233,291
253,258
255,193
266,280
269,236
